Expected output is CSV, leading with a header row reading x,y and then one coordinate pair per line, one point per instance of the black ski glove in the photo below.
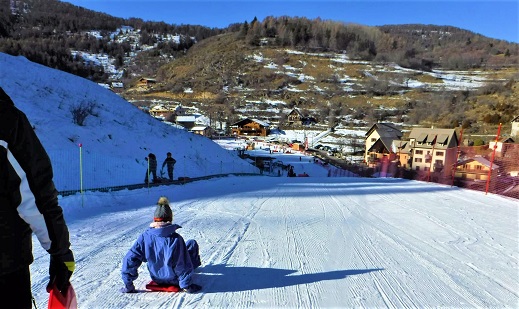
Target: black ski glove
x,y
192,288
60,271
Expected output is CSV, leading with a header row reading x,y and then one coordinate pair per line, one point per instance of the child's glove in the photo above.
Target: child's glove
x,y
129,288
192,288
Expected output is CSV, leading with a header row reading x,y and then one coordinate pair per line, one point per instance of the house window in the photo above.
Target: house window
x,y
438,165
417,168
426,168
418,160
418,152
439,153
373,139
479,167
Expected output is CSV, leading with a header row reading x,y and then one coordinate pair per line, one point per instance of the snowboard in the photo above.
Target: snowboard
x,y
59,301
153,286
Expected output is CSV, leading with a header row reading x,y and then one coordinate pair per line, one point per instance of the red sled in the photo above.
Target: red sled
x,y
162,287
58,301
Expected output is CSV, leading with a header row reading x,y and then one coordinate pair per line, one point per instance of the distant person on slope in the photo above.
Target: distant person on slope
x,y
169,162
170,260
291,172
152,167
28,204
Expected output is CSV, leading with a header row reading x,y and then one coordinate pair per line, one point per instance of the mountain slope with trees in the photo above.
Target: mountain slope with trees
x,y
45,31
338,73
263,62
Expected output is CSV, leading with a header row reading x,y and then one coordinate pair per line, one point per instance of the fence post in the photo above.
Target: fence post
x,y
81,172
492,161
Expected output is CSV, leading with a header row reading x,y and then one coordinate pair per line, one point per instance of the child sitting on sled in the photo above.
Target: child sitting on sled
x,y
171,261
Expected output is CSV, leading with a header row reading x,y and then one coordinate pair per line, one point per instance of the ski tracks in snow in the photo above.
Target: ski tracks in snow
x,y
312,243
417,241
226,245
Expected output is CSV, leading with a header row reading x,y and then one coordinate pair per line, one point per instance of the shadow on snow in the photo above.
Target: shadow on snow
x,y
224,278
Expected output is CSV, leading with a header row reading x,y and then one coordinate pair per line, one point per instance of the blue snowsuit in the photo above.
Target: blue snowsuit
x,y
169,259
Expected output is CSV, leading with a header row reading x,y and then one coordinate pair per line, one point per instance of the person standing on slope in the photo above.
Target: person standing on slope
x,y
169,162
28,204
170,260
152,167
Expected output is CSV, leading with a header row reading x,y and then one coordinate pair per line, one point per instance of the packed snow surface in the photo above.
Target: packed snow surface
x,y
304,242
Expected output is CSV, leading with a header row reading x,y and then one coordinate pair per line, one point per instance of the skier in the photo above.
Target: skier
x,y
29,206
170,163
169,259
152,167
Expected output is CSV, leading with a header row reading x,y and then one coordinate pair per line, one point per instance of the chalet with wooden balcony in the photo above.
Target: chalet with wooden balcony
x,y
379,142
250,127
296,118
145,82
476,168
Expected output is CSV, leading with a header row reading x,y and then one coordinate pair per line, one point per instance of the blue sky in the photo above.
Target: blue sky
x,y
495,19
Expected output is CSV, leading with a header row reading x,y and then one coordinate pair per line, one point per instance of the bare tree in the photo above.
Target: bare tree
x,y
81,111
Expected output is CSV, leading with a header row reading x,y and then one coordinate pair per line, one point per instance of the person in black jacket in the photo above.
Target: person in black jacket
x,y
169,162
28,204
291,172
152,167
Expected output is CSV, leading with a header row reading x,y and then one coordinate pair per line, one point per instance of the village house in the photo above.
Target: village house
x,y
203,130
145,82
117,87
476,168
296,118
425,150
162,112
250,127
166,112
180,110
433,150
187,122
402,149
379,142
505,153
501,145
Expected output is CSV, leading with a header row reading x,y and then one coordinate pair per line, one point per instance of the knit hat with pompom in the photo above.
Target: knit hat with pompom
x,y
163,212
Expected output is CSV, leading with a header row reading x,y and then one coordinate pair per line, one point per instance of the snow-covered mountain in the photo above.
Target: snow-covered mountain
x,y
115,136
